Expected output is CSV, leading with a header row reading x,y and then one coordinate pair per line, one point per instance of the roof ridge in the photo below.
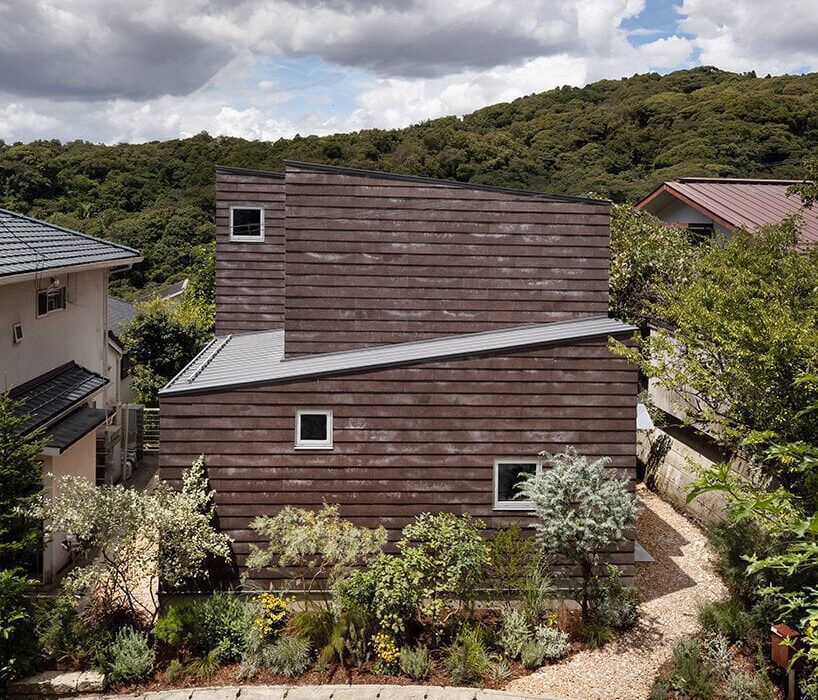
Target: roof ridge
x,y
249,171
361,172
69,230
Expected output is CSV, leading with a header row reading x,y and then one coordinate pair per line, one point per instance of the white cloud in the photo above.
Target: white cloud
x,y
17,121
154,69
767,37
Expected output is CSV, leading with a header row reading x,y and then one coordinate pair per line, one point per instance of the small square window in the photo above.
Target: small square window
x,y
247,223
50,300
507,476
313,430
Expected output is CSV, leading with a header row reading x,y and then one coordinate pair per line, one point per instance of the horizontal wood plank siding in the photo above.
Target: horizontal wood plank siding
x,y
249,276
406,440
372,261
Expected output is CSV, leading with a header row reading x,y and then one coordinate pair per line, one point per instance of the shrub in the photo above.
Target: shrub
x,y
18,642
690,674
174,672
220,620
533,655
181,627
131,526
732,542
466,659
225,619
595,635
319,544
749,686
445,556
385,591
130,657
66,637
272,615
289,656
415,662
500,668
204,667
332,631
512,558
727,618
536,593
387,656
553,641
718,655
594,505
514,633
616,606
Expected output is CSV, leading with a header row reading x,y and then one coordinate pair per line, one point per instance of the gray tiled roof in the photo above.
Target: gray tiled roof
x,y
30,245
50,395
258,358
119,313
66,432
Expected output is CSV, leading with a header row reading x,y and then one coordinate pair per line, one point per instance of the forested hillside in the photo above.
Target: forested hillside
x,y
615,137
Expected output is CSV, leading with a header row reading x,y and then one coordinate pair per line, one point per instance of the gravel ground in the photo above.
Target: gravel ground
x,y
668,591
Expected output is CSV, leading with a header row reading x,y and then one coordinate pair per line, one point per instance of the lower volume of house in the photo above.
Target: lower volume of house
x,y
389,443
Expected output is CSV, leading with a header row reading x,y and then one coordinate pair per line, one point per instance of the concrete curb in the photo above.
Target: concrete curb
x,y
323,692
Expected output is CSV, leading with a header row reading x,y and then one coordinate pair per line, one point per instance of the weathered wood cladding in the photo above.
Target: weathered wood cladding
x,y
374,260
249,276
406,439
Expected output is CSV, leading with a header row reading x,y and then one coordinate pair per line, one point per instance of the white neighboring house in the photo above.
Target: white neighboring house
x,y
708,207
56,355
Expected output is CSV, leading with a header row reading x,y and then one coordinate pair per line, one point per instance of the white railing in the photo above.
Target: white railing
x,y
150,429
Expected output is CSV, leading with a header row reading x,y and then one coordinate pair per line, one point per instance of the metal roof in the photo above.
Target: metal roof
x,y
735,202
29,245
48,397
359,172
119,313
66,432
258,358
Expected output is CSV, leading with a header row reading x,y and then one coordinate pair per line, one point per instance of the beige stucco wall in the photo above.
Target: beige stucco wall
x,y
78,460
78,333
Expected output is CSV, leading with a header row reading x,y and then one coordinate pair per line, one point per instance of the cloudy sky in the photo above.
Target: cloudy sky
x,y
136,70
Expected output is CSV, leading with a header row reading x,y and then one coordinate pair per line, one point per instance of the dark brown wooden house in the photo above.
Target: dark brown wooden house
x,y
398,345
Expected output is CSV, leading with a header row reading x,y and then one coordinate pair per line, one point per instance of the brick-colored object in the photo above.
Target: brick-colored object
x,y
782,653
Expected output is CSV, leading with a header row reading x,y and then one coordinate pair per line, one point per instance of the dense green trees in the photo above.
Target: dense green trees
x,y
619,138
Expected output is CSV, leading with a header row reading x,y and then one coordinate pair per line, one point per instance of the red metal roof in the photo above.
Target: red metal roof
x,y
735,202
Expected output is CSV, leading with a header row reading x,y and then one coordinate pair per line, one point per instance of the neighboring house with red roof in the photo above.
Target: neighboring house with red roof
x,y
709,206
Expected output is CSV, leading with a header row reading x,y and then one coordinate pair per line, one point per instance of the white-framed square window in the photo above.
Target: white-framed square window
x,y
313,429
507,475
247,223
51,300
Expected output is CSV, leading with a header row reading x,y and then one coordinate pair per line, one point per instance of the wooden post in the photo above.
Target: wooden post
x,y
782,649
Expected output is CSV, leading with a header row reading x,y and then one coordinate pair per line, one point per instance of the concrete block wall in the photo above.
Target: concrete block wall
x,y
670,467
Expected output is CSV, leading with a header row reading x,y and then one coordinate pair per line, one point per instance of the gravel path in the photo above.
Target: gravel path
x,y
668,592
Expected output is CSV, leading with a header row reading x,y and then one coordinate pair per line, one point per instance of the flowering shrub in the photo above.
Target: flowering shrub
x,y
388,656
273,611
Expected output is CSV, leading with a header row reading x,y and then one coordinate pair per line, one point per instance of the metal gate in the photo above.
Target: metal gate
x,y
150,427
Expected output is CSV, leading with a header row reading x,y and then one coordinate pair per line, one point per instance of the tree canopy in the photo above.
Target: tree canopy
x,y
618,138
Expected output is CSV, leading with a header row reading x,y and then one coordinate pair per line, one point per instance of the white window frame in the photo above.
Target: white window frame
x,y
247,239
64,289
512,505
313,444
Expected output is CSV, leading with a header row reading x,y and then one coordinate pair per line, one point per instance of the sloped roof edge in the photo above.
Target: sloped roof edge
x,y
235,361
